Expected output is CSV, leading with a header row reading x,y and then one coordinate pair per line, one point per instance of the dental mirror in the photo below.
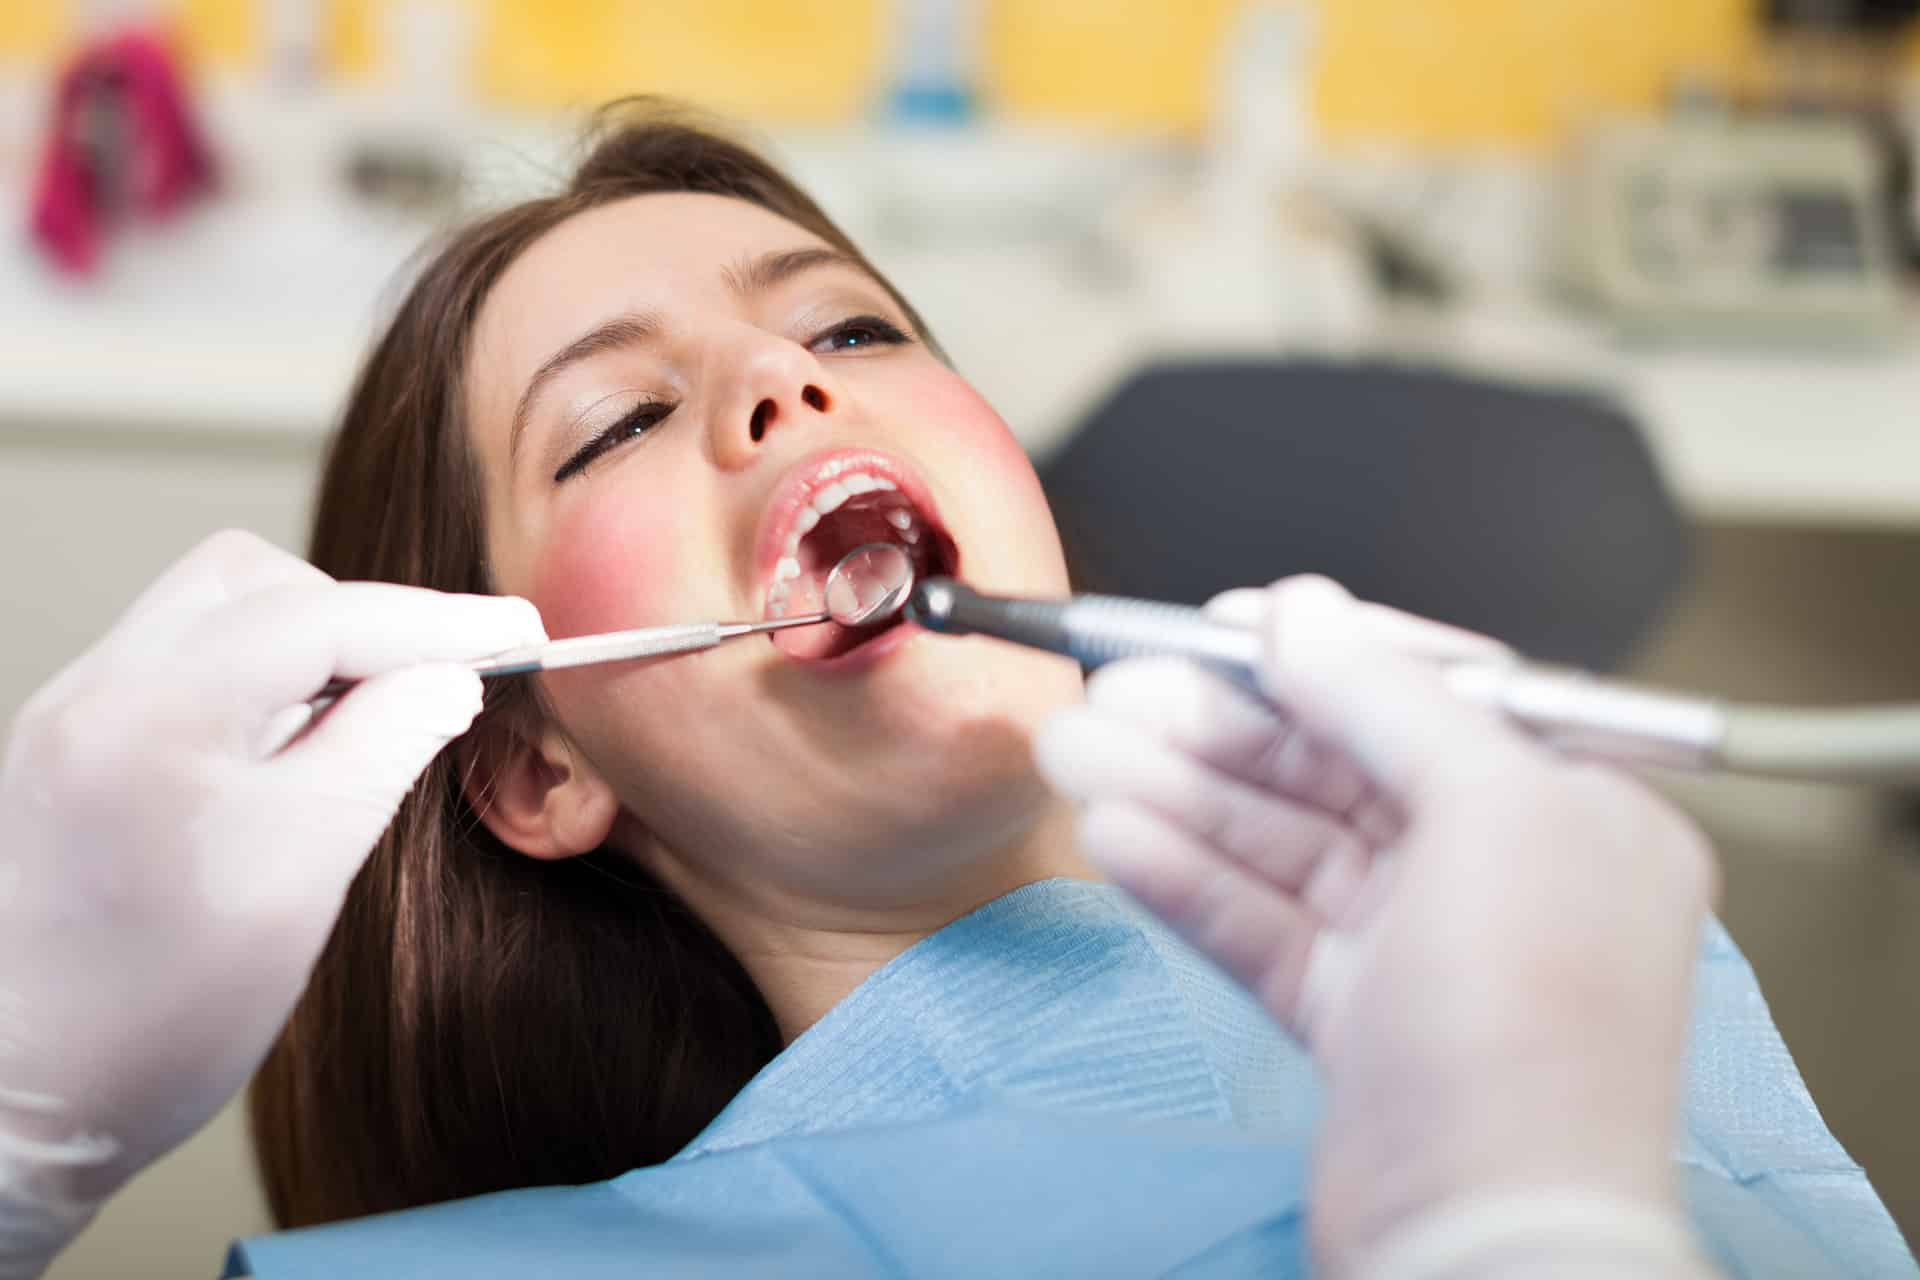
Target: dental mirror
x,y
869,584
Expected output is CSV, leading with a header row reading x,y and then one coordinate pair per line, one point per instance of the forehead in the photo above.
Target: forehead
x,y
642,253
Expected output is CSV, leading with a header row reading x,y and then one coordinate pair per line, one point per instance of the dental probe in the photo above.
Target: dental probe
x,y
1570,710
866,585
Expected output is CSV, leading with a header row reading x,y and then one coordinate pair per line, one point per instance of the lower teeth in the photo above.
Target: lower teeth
x,y
780,595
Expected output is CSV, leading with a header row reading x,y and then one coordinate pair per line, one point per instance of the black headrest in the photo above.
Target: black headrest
x,y
1534,515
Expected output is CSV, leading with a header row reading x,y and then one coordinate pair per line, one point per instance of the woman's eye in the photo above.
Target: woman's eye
x,y
643,418
858,333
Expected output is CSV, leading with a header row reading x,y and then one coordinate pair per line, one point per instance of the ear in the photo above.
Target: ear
x,y
536,791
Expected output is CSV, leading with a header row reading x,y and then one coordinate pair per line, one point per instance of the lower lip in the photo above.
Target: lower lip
x,y
869,655
864,658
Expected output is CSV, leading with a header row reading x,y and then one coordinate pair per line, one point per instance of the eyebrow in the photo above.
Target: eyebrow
x,y
757,275
609,335
746,278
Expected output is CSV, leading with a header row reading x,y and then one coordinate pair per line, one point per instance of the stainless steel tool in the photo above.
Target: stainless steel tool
x,y
867,585
1573,711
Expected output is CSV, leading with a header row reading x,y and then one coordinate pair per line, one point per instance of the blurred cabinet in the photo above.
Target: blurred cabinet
x,y
90,518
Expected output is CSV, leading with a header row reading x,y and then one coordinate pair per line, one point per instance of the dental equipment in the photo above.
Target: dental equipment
x,y
867,585
1570,710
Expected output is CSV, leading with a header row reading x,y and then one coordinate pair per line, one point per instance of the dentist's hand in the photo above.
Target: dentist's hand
x,y
1488,948
176,841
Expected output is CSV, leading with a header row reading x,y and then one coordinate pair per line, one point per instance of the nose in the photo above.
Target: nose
x,y
775,386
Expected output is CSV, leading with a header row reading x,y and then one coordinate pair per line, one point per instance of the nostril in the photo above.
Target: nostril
x,y
757,425
815,398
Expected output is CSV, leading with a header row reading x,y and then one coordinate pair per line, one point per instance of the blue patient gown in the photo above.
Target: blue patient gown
x,y
1056,1085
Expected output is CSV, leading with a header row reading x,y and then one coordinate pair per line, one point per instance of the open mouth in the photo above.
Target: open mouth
x,y
856,506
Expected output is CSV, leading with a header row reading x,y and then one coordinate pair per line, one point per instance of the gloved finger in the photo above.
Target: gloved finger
x,y
276,647
1420,637
1258,933
1094,757
221,568
361,758
1323,985
1240,607
1239,734
1410,633
1393,713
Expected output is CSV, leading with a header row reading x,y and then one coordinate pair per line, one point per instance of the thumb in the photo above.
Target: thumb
x,y
347,776
1351,686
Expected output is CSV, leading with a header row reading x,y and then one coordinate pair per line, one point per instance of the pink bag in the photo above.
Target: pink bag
x,y
122,137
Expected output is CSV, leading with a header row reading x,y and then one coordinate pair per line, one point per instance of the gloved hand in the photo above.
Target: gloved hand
x,y
172,863
1488,948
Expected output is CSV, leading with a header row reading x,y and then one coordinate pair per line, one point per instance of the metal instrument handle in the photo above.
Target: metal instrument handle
x,y
1571,711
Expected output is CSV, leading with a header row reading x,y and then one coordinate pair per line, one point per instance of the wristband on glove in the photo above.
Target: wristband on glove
x,y
1481,1235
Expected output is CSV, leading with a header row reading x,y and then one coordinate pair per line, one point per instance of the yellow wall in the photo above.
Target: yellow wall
x,y
351,41
1518,71
222,33
1081,60
777,59
1448,72
213,32
30,33
1442,72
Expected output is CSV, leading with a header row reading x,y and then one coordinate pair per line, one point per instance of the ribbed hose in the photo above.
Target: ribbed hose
x,y
1868,744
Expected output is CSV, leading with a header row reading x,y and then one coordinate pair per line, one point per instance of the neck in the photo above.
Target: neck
x,y
806,957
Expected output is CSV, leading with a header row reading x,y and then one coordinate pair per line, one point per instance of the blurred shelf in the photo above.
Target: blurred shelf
x,y
246,318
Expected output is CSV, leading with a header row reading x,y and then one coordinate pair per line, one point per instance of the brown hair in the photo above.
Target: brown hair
x,y
479,1019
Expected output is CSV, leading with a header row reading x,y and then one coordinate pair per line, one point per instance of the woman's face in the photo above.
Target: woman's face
x,y
666,394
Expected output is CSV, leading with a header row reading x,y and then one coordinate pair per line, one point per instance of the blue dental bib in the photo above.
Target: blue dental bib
x,y
1056,1085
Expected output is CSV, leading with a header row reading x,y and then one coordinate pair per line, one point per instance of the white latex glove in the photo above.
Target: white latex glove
x,y
167,879
1487,948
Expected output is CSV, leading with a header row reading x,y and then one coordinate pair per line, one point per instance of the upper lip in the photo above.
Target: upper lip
x,y
796,488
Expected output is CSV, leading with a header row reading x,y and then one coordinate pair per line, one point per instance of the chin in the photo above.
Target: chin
x,y
946,822
947,688
952,721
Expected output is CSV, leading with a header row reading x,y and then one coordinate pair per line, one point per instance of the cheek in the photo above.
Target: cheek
x,y
609,565
976,428
996,464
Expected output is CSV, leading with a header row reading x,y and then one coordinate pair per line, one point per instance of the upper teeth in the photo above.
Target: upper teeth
x,y
827,500
835,495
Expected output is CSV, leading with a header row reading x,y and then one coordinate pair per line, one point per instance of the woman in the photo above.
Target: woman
x,y
672,909
626,403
